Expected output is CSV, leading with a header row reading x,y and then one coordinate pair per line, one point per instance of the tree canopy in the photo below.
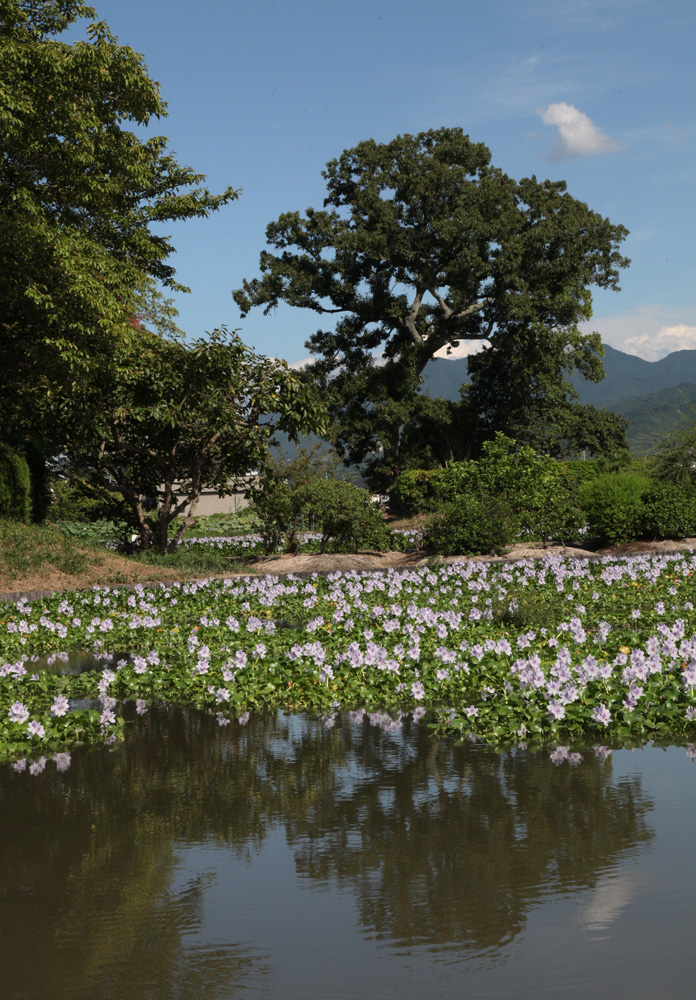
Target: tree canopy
x,y
422,244
170,418
79,193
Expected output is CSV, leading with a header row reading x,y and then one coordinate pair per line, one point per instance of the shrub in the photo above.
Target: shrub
x,y
473,524
344,513
15,485
613,505
454,481
669,511
412,493
75,499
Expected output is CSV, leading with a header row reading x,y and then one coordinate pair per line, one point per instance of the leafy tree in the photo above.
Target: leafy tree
x,y
171,419
422,244
520,388
78,194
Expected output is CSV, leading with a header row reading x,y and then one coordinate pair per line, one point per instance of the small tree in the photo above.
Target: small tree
x,y
178,418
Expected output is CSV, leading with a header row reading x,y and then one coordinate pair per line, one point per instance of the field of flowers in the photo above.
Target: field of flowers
x,y
553,650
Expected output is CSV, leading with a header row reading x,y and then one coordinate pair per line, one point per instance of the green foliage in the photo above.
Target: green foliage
x,y
275,494
474,524
340,511
412,492
421,244
579,471
174,418
15,485
79,193
675,462
344,514
669,511
613,504
76,499
543,493
454,481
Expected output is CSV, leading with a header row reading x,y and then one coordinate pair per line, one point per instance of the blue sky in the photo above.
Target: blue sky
x,y
262,94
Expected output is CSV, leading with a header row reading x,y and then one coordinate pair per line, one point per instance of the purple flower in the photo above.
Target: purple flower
x,y
556,710
18,712
36,729
60,705
418,691
602,715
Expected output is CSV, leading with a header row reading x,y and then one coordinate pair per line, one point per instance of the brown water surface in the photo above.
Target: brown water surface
x,y
289,859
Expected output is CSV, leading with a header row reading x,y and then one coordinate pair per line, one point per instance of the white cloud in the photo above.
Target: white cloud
x,y
577,134
651,332
302,363
465,349
666,340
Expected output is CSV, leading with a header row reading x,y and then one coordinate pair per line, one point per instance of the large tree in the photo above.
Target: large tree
x,y
422,244
520,388
79,193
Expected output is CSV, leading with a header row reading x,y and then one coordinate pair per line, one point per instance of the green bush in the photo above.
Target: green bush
x,y
454,481
15,485
76,500
340,511
344,514
669,511
579,471
412,493
473,524
614,507
280,515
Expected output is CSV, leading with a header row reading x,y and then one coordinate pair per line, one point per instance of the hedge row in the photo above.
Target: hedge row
x,y
485,505
15,485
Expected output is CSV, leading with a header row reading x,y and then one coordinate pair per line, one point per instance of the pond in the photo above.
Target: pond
x,y
290,859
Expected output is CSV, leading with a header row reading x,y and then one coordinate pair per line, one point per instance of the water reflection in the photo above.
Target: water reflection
x,y
445,847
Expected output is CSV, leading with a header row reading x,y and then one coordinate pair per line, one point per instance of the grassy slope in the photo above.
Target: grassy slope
x,y
41,557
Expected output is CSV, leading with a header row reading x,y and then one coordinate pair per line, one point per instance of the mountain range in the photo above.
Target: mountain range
x,y
654,396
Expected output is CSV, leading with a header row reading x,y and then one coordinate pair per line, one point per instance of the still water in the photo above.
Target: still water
x,y
291,860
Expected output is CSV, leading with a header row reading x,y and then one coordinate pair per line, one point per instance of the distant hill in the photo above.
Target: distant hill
x,y
654,416
652,395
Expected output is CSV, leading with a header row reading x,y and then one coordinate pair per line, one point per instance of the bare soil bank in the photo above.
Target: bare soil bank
x,y
117,570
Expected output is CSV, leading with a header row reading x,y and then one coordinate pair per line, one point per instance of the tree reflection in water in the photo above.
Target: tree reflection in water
x,y
442,846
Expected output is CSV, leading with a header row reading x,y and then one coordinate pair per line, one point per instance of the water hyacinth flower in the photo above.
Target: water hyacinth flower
x,y
18,712
36,729
60,706
602,715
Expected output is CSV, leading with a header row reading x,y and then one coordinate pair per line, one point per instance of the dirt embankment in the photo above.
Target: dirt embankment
x,y
115,570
